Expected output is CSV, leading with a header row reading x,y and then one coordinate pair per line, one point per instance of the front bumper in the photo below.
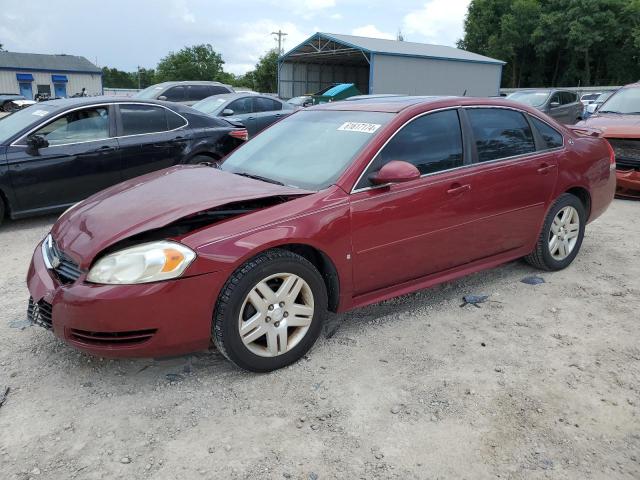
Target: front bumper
x,y
146,320
628,183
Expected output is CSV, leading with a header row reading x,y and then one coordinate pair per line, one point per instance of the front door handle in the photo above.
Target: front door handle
x,y
545,168
106,148
457,189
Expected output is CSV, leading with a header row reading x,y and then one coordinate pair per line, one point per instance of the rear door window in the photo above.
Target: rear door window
x,y
216,90
550,136
199,92
433,143
567,98
500,133
140,119
262,104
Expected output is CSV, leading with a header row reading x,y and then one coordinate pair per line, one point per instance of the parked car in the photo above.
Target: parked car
x,y
301,101
588,98
6,100
562,105
255,112
56,153
335,92
335,207
593,106
186,93
619,120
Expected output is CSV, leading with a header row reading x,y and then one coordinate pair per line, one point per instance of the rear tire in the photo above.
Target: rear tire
x,y
561,236
3,210
270,312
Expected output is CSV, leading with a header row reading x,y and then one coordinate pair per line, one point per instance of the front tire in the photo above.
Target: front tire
x,y
270,312
561,236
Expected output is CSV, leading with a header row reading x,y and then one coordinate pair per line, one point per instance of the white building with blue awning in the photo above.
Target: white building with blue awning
x,y
54,76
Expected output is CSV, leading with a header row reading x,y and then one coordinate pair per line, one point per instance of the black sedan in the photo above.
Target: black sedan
x,y
54,154
256,112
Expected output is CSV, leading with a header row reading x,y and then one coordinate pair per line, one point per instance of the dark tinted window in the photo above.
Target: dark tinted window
x,y
174,120
198,92
241,106
175,94
555,99
552,138
137,119
568,97
432,143
217,90
500,133
262,104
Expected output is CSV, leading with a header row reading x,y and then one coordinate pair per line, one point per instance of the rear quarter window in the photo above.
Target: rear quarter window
x,y
550,136
500,133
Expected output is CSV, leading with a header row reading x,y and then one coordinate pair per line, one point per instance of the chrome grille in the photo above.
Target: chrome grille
x,y
65,268
40,313
627,152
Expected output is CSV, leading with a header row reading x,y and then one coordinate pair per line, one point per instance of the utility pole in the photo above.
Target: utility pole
x,y
279,34
139,87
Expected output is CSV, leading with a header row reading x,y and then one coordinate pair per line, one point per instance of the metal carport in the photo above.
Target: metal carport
x,y
385,66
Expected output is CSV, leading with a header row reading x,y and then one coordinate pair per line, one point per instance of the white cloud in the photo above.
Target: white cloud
x,y
438,21
306,9
373,32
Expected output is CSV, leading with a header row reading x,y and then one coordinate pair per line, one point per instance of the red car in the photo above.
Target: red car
x,y
335,207
619,121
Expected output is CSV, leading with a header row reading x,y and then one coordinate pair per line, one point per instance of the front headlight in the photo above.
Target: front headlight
x,y
149,262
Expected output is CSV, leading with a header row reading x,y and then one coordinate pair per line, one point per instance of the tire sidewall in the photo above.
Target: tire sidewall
x,y
228,320
564,201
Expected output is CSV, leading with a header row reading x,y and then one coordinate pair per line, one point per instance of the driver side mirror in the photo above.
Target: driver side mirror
x,y
395,171
36,142
162,97
227,112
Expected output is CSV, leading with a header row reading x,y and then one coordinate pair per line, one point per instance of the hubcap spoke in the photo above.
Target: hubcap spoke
x,y
553,245
565,230
278,319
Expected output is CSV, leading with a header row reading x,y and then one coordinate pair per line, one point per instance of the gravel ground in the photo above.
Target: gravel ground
x,y
543,381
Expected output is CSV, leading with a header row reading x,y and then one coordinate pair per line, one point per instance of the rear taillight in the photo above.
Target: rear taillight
x,y
241,134
612,156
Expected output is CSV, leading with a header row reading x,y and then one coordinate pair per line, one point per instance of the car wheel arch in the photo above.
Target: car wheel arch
x,y
583,195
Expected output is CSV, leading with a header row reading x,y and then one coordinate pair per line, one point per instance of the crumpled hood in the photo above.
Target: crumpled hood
x,y
614,125
152,201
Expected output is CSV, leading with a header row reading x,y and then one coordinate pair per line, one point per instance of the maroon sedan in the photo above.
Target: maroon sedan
x,y
335,207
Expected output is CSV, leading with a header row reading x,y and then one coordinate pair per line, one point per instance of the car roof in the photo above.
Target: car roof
x,y
65,103
398,104
187,82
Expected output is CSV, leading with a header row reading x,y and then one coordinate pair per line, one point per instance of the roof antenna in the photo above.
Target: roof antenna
x,y
464,94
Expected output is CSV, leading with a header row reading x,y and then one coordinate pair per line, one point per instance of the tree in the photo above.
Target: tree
x,y
265,75
199,62
114,78
557,42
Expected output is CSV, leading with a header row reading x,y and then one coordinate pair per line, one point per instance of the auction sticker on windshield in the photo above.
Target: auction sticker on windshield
x,y
40,113
359,127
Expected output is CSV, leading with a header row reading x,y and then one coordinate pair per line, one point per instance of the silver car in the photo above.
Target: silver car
x,y
186,93
563,105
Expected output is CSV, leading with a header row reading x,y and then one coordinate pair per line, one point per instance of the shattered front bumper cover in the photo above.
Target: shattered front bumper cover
x,y
628,184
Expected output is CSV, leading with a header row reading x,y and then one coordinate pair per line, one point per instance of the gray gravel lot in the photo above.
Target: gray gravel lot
x,y
541,382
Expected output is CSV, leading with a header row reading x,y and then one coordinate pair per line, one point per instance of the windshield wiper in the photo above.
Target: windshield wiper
x,y
259,177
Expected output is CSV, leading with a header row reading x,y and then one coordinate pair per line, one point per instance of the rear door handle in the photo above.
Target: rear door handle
x,y
545,168
457,189
106,148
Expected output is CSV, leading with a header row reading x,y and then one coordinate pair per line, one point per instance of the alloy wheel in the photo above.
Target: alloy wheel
x,y
564,233
276,314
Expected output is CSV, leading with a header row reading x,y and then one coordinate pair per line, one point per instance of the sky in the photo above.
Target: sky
x,y
127,33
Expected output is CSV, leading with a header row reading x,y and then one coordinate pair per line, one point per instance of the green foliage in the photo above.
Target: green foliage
x,y
558,42
199,62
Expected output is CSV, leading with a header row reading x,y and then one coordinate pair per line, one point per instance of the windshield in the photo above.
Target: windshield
x,y
309,149
149,92
603,97
14,123
590,96
625,101
533,99
209,105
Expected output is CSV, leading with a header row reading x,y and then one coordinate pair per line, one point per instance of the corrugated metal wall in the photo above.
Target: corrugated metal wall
x,y
93,83
301,78
425,76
